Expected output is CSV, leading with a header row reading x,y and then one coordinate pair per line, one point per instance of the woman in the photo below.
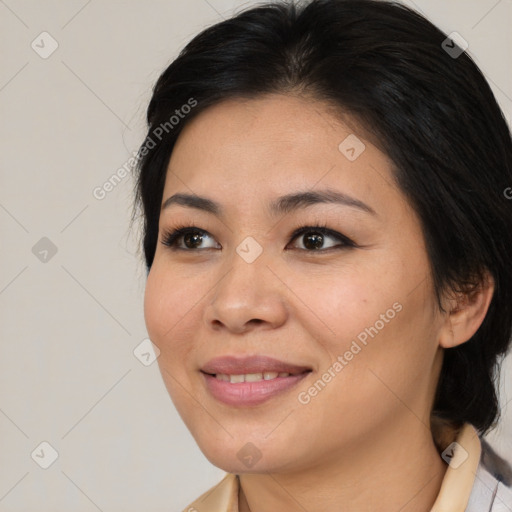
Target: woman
x,y
327,239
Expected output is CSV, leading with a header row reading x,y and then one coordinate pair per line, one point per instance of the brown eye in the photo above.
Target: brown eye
x,y
313,240
314,237
192,239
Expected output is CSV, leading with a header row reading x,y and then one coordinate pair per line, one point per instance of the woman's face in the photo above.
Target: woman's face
x,y
359,314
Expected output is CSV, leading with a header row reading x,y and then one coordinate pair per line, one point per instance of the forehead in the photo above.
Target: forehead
x,y
270,145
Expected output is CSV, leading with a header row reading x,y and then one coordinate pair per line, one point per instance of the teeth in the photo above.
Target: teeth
x,y
250,377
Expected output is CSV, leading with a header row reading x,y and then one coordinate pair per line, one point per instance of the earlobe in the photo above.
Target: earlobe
x,y
465,314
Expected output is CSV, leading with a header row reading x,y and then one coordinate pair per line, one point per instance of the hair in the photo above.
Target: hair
x,y
431,112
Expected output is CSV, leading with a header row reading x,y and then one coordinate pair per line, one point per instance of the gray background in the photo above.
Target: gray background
x,y
70,321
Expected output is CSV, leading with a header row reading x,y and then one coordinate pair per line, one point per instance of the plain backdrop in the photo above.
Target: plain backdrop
x,y
71,279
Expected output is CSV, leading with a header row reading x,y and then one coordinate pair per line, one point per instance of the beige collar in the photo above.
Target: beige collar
x,y
453,496
460,475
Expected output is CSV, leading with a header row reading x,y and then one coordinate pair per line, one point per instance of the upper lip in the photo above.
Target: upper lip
x,y
236,365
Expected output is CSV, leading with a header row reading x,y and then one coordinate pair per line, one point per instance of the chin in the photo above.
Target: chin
x,y
232,464
242,456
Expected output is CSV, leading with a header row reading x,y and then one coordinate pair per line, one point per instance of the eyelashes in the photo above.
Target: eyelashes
x,y
197,236
171,237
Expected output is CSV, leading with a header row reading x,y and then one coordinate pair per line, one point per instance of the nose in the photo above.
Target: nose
x,y
247,296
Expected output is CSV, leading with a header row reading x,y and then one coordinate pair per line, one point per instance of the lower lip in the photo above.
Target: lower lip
x,y
250,393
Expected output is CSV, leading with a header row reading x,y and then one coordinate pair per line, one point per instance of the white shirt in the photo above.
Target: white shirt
x,y
489,494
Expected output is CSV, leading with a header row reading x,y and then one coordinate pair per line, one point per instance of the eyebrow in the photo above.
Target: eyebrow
x,y
282,205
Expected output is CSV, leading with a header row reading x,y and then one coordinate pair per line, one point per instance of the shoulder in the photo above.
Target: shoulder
x,y
492,485
496,465
222,497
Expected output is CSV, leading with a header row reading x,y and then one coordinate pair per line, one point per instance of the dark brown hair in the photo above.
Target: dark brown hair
x,y
432,112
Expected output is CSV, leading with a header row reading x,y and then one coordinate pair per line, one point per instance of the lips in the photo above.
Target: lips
x,y
231,365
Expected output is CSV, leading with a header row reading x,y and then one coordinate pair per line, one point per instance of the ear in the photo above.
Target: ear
x,y
465,313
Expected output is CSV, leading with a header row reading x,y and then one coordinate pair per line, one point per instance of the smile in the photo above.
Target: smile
x,y
250,389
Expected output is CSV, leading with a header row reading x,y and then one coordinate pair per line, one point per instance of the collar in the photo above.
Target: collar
x,y
463,456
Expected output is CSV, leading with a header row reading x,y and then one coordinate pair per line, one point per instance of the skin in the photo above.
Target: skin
x,y
364,441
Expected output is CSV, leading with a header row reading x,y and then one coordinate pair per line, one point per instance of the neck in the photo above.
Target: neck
x,y
389,471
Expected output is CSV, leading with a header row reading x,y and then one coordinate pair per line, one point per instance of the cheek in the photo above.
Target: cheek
x,y
169,314
168,301
346,301
376,320
156,304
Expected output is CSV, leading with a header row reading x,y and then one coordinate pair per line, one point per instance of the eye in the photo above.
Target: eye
x,y
190,238
313,238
